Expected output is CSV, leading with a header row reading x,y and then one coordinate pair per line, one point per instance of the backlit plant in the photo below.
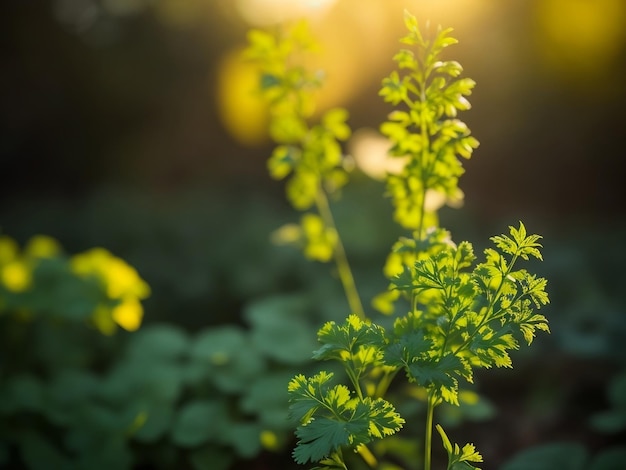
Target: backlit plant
x,y
462,313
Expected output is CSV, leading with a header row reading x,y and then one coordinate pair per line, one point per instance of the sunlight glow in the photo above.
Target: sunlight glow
x,y
580,36
242,112
370,152
267,12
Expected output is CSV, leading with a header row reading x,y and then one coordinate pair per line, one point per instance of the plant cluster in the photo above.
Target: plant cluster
x,y
74,395
94,286
460,314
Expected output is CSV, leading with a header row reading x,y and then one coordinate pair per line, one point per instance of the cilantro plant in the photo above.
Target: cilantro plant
x,y
308,155
461,313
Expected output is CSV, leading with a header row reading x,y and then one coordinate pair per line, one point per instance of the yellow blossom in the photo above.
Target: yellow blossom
x,y
16,276
128,314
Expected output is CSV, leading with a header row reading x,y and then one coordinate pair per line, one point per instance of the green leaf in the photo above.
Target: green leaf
x,y
490,347
406,59
414,36
288,129
244,438
331,418
39,454
407,349
459,458
394,90
198,422
282,161
382,417
306,395
23,392
449,67
266,398
157,342
281,320
319,438
354,423
218,346
158,419
520,244
617,390
572,456
228,357
447,445
439,374
104,452
345,341
334,121
612,458
210,458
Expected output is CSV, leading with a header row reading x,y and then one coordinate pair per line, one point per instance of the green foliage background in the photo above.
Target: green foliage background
x,y
231,317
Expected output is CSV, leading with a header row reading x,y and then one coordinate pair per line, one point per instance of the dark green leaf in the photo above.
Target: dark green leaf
x,y
613,458
211,458
21,393
157,342
566,455
319,438
199,422
158,419
39,454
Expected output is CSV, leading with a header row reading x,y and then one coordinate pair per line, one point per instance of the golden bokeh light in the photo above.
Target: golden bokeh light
x,y
243,113
357,40
268,12
580,37
370,151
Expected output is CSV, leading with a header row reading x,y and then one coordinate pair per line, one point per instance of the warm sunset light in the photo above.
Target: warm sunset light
x,y
266,12
289,234
580,37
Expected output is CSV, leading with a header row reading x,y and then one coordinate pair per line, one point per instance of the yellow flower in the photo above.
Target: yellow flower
x,y
16,276
42,246
121,282
128,314
269,440
120,279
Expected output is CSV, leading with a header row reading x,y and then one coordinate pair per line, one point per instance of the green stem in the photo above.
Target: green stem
x,y
385,382
367,456
355,381
341,260
428,435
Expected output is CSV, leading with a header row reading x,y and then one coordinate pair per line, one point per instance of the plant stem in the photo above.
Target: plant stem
x,y
428,435
367,455
384,383
341,260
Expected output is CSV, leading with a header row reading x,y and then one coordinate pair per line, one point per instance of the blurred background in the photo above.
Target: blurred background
x,y
132,124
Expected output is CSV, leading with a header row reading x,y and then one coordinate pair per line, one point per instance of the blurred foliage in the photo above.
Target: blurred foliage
x,y
209,336
108,128
95,286
171,393
567,455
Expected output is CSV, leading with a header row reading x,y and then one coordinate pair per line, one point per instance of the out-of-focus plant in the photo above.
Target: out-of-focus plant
x,y
94,286
74,395
308,155
461,315
56,314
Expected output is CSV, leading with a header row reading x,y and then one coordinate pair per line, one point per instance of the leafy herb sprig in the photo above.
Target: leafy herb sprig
x,y
461,314
309,155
